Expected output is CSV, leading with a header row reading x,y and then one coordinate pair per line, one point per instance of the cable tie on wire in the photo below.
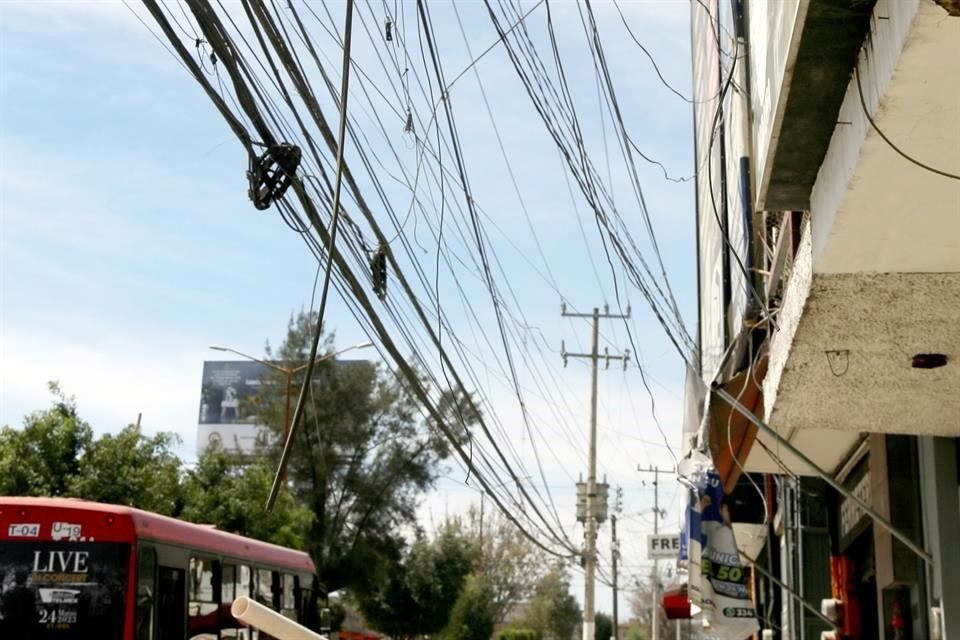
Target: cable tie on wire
x,y
378,271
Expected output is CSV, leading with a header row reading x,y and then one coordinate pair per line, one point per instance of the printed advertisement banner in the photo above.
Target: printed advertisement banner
x,y
719,582
63,590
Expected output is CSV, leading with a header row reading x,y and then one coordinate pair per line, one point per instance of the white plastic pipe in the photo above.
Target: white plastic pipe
x,y
253,614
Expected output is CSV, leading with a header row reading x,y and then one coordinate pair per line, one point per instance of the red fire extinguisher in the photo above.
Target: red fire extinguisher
x,y
897,622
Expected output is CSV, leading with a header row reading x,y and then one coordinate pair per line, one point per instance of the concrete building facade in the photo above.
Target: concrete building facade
x,y
828,210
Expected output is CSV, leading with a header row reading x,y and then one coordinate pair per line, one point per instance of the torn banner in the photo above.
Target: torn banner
x,y
720,586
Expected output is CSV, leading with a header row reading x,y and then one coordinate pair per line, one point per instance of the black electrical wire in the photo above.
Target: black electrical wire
x,y
890,143
441,165
338,181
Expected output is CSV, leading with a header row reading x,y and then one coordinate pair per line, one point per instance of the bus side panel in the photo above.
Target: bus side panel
x,y
131,605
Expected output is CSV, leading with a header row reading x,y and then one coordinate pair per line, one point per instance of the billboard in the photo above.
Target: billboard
x,y
224,385
226,416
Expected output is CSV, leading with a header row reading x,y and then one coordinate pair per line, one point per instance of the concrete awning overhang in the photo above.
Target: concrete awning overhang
x,y
818,52
876,279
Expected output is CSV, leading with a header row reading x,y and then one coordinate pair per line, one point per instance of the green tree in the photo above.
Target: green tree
x,y
131,469
229,490
42,458
55,454
553,612
636,633
361,459
420,593
603,627
472,617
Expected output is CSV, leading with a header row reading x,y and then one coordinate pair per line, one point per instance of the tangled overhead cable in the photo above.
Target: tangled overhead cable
x,y
272,173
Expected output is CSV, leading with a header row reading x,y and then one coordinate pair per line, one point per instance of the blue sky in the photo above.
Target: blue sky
x,y
128,244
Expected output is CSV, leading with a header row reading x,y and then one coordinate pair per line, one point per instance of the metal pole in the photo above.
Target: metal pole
x,y
482,496
615,553
589,611
655,604
335,218
829,479
793,594
286,418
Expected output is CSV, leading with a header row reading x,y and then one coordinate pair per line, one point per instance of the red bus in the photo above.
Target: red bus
x,y
75,569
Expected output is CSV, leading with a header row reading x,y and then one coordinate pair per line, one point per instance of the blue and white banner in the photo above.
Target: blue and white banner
x,y
718,580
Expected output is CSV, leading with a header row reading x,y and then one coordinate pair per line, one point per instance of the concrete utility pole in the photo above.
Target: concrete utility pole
x,y
590,533
655,598
615,552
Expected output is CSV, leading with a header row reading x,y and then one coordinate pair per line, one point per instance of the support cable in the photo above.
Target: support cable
x,y
338,181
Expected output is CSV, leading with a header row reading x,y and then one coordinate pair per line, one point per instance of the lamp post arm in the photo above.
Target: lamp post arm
x,y
250,357
328,356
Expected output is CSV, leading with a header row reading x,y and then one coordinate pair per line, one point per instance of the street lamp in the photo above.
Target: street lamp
x,y
289,372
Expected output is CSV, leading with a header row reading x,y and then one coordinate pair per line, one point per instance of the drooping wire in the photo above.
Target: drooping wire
x,y
335,213
890,143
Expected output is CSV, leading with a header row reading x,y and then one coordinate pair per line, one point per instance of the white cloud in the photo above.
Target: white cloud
x,y
114,379
71,15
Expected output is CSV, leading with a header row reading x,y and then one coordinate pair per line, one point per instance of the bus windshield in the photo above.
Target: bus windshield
x,y
59,590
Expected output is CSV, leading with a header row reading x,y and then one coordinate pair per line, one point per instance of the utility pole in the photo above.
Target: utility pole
x,y
590,533
655,598
615,552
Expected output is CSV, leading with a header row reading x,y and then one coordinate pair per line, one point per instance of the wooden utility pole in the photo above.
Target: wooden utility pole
x,y
590,533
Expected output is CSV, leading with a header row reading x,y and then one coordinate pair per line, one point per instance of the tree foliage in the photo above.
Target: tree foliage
x,y
603,627
637,633
55,454
420,593
43,457
553,612
362,457
229,490
132,469
511,565
472,617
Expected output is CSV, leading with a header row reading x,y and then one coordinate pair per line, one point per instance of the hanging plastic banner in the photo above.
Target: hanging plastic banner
x,y
718,581
728,613
692,472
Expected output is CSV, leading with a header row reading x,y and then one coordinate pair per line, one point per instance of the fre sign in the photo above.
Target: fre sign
x,y
663,545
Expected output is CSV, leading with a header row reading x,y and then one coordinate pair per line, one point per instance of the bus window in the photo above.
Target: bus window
x,y
264,587
288,602
228,584
171,589
243,581
203,607
229,627
146,590
242,588
306,606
